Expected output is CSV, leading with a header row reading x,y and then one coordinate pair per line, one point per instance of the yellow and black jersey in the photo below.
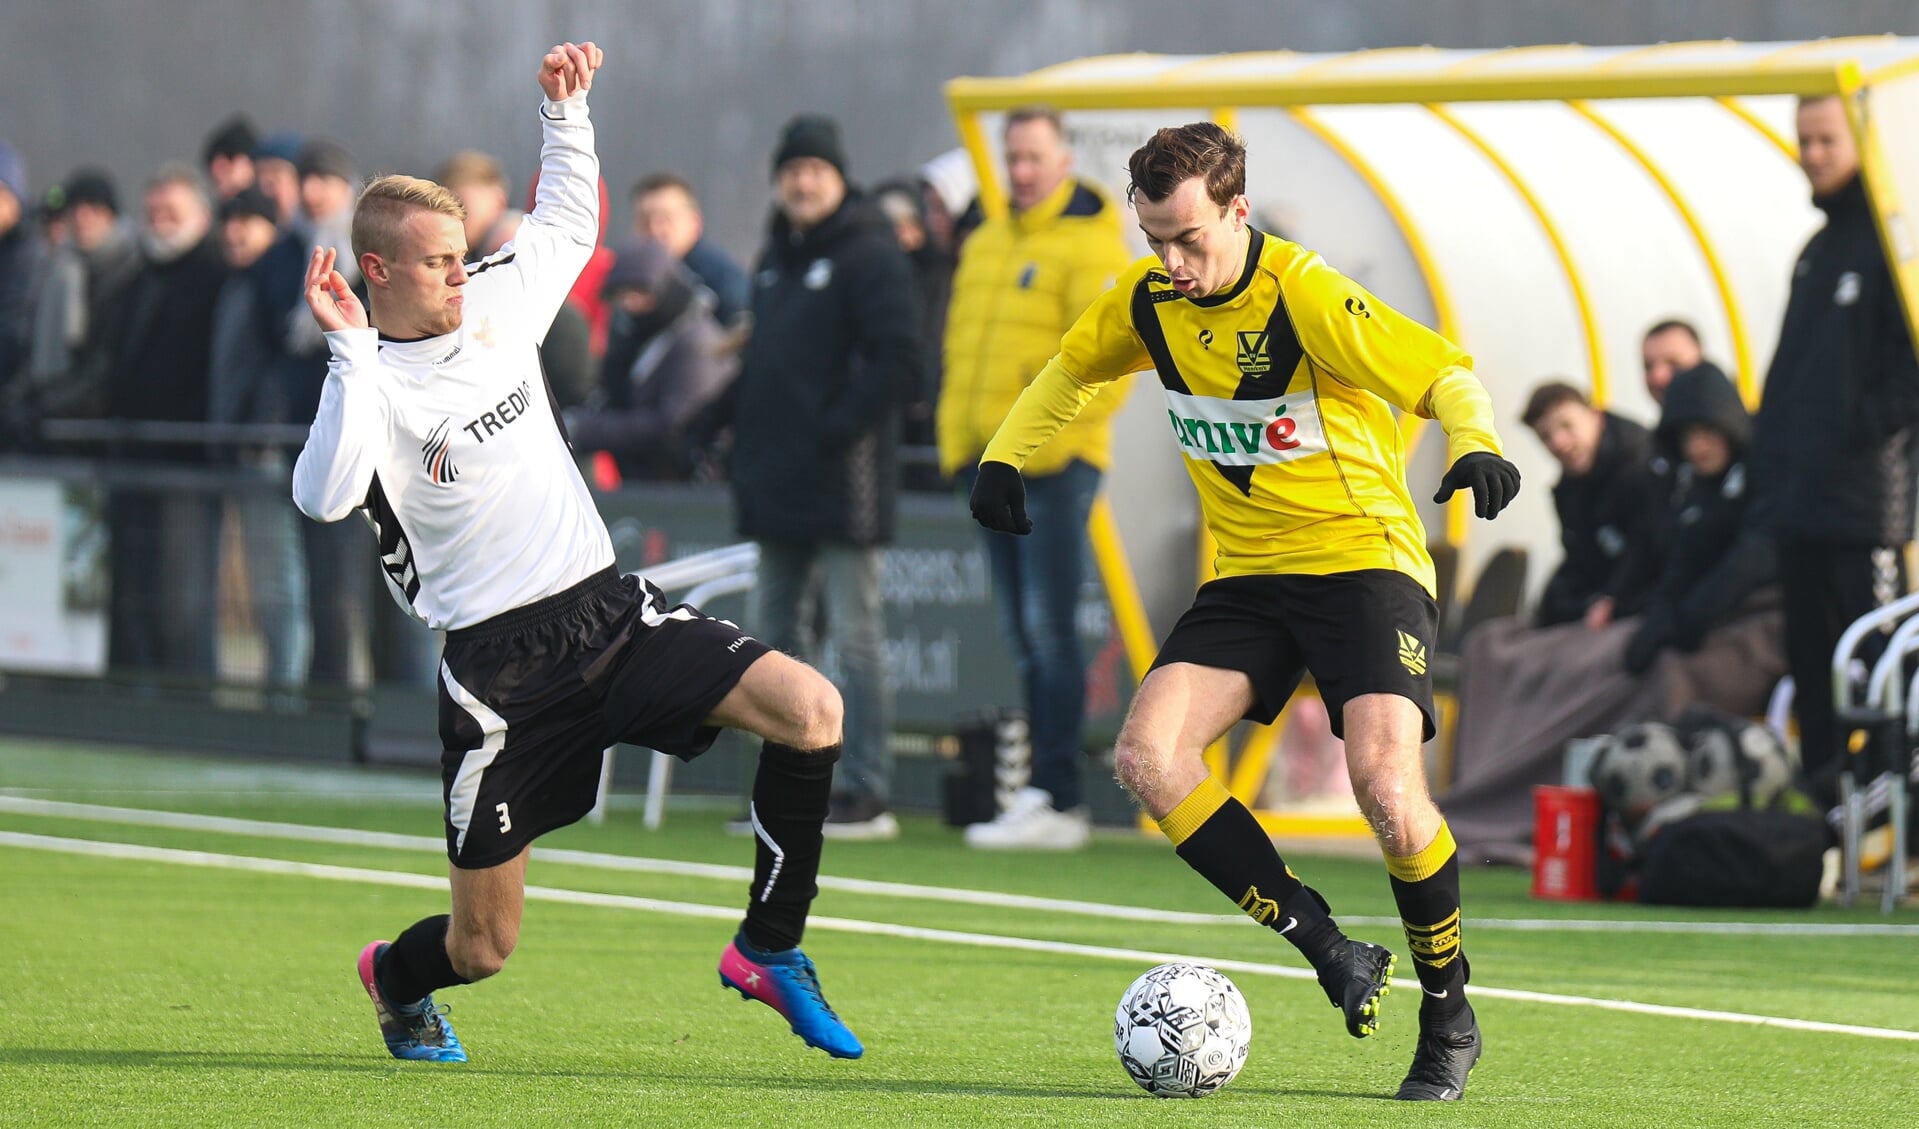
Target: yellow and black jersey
x,y
1279,393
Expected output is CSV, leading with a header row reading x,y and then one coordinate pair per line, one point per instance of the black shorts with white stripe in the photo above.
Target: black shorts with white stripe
x,y
530,699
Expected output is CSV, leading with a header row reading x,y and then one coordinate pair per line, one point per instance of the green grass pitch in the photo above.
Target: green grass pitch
x,y
139,992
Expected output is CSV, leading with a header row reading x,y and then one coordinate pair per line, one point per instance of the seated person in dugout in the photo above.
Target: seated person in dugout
x,y
1711,633
1607,499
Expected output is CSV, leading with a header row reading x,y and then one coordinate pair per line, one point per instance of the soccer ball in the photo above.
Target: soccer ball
x,y
1715,760
1642,765
1182,1031
1768,766
1729,754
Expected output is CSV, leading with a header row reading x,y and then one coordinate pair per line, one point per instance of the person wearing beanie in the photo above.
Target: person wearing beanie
x,y
275,173
79,314
20,254
339,588
815,415
665,363
228,155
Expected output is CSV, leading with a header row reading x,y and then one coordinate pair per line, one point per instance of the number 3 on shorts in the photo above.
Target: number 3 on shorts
x,y
506,821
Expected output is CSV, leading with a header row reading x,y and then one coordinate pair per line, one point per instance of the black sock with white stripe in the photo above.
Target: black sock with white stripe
x,y
416,963
789,804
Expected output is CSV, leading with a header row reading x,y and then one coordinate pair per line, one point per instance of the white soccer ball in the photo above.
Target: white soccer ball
x,y
1769,766
1642,765
1182,1031
1716,761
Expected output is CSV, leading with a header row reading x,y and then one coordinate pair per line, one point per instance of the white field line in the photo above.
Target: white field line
x,y
345,836
135,852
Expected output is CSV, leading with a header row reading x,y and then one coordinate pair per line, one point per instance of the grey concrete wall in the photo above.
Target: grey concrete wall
x,y
699,86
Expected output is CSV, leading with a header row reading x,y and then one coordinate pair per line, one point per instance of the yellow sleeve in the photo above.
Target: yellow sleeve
x,y
1095,274
1462,406
1371,346
1101,347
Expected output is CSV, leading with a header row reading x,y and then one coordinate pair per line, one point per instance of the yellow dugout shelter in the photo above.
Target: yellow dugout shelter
x,y
1540,205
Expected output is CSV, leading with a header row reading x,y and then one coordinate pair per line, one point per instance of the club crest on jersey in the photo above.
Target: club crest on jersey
x,y
1246,432
1253,358
437,458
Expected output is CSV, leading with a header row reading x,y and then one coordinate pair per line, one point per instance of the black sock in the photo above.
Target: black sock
x,y
417,963
1426,888
1220,839
790,793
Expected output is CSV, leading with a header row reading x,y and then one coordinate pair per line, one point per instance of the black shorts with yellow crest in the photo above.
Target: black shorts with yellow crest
x,y
1370,631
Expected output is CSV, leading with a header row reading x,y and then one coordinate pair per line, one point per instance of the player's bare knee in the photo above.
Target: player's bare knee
x,y
1138,767
819,716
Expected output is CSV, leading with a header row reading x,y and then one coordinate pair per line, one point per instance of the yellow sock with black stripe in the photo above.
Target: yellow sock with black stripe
x,y
1426,888
1220,839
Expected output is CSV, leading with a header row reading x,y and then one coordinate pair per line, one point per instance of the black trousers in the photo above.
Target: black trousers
x,y
1827,586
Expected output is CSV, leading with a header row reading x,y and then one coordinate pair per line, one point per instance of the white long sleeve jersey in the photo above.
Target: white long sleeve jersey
x,y
451,446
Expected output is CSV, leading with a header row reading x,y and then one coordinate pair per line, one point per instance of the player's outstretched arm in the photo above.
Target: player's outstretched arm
x,y
343,447
521,287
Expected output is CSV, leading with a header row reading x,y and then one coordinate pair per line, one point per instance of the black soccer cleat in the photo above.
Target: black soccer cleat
x,y
1356,981
1442,1061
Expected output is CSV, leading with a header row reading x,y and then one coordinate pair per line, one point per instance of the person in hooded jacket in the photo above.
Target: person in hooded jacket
x,y
666,361
1712,632
1718,562
815,417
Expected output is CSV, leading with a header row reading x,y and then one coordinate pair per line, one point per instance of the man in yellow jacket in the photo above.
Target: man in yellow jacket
x,y
1023,279
1280,376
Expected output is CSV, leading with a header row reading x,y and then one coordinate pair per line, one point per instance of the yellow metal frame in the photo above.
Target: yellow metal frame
x,y
1582,298
1745,376
1329,82
973,95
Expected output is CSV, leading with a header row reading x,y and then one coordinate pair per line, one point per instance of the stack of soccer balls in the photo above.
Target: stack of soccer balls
x,y
1182,1031
1651,774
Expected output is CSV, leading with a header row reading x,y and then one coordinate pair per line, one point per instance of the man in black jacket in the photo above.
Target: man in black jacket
x,y
1605,498
816,418
164,561
1836,428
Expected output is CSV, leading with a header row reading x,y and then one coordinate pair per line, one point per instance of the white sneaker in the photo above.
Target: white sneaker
x,y
857,818
1031,822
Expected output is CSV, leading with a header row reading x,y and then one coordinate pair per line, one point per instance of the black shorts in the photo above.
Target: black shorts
x,y
531,698
1365,632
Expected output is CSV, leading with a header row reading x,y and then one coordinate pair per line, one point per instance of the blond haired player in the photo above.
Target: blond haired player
x,y
436,424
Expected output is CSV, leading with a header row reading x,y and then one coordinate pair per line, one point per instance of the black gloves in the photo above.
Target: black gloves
x,y
999,499
1493,481
1654,633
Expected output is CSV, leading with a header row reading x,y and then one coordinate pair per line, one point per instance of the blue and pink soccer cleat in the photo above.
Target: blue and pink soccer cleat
x,y
787,982
417,1032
